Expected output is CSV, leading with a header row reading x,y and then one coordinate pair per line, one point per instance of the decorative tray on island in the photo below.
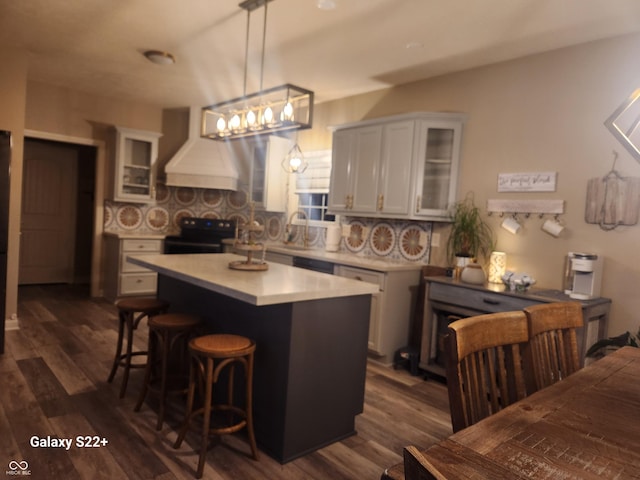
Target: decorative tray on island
x,y
245,242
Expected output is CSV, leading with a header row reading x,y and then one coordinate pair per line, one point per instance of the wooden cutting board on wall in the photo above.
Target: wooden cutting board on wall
x,y
613,200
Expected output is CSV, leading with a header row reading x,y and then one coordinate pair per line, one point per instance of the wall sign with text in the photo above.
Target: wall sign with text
x,y
527,182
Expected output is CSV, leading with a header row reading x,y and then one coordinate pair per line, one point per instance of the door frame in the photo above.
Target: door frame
x,y
99,197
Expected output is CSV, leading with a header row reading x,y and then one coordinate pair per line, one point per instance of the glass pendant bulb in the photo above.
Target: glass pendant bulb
x,y
287,112
234,123
221,125
267,116
251,118
295,162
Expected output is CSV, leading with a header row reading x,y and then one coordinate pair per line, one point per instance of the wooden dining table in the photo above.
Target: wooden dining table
x,y
586,426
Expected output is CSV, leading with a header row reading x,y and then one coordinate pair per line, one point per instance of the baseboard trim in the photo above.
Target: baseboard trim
x,y
11,324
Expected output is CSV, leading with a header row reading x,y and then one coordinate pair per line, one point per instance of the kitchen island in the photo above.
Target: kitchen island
x,y
311,332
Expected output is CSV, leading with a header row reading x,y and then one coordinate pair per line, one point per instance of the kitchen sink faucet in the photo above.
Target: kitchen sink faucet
x,y
288,232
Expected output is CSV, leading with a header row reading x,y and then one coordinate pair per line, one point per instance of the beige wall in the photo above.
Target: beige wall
x,y
539,113
67,112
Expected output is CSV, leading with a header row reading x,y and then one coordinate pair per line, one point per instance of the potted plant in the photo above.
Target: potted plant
x,y
606,345
470,238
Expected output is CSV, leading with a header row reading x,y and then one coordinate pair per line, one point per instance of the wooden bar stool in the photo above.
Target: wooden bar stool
x,y
210,356
131,311
168,337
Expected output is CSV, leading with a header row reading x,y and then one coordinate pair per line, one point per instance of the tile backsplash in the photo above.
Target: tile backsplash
x,y
388,238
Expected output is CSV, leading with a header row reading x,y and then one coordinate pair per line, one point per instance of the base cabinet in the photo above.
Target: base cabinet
x,y
391,308
124,278
377,301
448,300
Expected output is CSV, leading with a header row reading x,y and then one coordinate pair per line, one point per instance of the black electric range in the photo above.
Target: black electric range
x,y
200,235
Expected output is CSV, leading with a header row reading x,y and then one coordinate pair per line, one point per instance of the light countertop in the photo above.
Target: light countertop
x,y
278,284
372,263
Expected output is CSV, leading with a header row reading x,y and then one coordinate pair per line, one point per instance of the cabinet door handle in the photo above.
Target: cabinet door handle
x,y
491,301
380,202
357,277
418,204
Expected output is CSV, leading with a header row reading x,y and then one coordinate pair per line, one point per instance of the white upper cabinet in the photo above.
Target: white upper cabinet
x,y
356,160
371,169
268,180
397,167
134,156
395,171
342,180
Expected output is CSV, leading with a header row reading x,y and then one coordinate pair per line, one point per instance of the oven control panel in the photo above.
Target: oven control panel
x,y
207,224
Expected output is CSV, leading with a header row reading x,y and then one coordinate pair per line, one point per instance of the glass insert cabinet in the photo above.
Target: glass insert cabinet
x,y
267,179
439,151
135,153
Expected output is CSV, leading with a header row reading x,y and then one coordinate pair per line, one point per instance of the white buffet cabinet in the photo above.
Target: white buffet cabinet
x,y
391,308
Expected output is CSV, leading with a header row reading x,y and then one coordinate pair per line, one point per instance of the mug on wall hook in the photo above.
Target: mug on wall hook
x,y
553,226
511,224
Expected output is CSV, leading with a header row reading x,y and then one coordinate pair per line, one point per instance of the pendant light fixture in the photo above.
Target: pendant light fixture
x,y
294,161
278,109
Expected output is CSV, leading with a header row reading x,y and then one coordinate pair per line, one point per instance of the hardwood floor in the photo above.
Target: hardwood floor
x,y
53,383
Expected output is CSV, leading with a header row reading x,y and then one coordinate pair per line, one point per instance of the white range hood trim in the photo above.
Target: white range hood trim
x,y
202,163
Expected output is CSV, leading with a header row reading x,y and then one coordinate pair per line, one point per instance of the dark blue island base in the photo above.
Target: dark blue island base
x,y
310,362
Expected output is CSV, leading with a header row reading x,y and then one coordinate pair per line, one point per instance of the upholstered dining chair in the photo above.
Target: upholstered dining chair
x,y
553,347
485,365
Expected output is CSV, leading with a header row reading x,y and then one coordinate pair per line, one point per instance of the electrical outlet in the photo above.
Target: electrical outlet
x,y
435,239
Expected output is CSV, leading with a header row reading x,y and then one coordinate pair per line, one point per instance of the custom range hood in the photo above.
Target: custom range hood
x,y
202,163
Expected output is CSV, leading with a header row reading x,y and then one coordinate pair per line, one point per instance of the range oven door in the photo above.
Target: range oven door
x,y
173,245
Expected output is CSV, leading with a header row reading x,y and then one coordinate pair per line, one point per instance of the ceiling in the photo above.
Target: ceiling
x,y
96,46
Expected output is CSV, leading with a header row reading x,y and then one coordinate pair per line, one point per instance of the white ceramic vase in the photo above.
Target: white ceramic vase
x,y
473,274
